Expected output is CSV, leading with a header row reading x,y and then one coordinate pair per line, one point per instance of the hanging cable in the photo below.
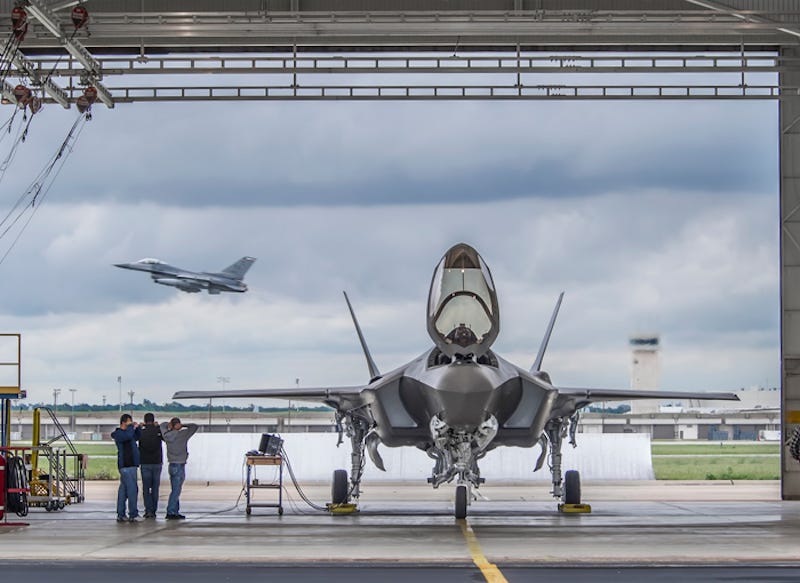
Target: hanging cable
x,y
297,486
31,200
17,499
80,17
19,28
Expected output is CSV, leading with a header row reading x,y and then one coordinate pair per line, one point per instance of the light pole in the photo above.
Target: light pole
x,y
119,382
56,393
131,393
73,424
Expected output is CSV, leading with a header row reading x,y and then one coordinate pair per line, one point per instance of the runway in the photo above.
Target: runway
x,y
516,530
93,572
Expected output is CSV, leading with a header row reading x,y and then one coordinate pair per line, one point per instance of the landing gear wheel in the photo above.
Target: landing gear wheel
x,y
572,487
339,487
461,501
248,510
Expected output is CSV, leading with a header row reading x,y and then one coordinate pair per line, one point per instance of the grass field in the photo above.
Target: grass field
x,y
714,448
717,468
715,461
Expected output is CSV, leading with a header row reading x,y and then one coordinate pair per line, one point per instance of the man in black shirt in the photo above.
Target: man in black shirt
x,y
152,461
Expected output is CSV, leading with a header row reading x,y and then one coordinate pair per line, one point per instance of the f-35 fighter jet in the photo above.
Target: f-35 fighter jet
x,y
227,280
458,400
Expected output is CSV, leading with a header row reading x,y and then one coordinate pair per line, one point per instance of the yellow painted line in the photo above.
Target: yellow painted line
x,y
793,417
489,570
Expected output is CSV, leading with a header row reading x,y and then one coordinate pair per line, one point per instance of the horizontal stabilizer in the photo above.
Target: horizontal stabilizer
x,y
592,395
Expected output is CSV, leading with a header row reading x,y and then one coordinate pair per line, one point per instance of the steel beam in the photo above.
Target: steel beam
x,y
93,71
789,116
30,70
291,92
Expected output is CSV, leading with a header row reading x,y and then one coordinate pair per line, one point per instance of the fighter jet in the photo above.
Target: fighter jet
x,y
227,280
459,399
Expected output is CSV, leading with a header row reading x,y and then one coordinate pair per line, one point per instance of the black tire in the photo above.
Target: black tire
x,y
461,501
248,511
572,487
339,487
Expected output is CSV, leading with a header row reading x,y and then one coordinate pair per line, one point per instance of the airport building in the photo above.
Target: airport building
x,y
754,417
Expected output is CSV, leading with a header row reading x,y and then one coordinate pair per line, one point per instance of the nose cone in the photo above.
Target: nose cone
x,y
463,313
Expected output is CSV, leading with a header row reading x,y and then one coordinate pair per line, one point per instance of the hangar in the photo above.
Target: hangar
x,y
129,52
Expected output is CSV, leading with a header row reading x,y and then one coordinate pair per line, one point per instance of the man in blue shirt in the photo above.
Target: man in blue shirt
x,y
126,436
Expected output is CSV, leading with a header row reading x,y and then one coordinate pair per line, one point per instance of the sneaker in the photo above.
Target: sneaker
x,y
121,519
134,519
172,516
180,516
149,515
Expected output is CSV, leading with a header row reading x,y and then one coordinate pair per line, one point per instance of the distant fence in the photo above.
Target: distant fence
x,y
219,457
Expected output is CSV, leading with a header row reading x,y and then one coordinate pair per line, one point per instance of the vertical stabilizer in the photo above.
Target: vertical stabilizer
x,y
238,269
537,364
373,370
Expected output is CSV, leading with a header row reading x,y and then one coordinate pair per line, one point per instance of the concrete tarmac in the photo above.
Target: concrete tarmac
x,y
720,524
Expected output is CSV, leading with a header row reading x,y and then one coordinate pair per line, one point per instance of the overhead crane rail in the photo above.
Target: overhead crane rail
x,y
455,64
443,92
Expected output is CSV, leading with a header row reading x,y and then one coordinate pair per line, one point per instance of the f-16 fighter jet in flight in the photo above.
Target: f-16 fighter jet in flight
x,y
227,280
458,400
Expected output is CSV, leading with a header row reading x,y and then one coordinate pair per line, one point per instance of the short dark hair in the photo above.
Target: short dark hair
x,y
149,417
125,417
174,420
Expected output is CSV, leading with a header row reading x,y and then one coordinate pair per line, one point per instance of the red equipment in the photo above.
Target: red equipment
x,y
90,93
80,16
23,95
2,486
19,23
82,104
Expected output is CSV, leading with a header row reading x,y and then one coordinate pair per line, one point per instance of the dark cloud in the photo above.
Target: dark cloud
x,y
376,153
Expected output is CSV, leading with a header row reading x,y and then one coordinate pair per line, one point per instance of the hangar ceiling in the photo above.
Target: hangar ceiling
x,y
399,49
147,50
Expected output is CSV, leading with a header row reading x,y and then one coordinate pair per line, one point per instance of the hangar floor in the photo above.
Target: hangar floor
x,y
632,523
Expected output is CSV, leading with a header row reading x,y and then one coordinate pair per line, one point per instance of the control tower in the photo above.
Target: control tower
x,y
645,369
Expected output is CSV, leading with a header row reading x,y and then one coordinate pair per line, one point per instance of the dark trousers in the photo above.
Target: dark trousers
x,y
151,480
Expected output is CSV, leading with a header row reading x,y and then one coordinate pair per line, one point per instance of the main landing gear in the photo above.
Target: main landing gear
x,y
568,491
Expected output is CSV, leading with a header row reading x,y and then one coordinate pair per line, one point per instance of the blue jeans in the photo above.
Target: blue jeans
x,y
151,480
128,491
177,474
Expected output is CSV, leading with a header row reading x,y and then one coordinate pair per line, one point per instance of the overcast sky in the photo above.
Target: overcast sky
x,y
656,217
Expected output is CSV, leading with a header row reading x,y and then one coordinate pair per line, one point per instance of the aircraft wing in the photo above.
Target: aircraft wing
x,y
338,397
592,395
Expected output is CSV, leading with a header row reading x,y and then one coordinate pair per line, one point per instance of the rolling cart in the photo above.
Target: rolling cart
x,y
253,483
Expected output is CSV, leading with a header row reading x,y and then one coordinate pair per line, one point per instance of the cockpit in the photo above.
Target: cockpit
x,y
463,314
150,261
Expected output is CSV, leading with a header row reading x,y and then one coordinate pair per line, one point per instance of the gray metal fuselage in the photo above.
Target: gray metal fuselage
x,y
463,394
